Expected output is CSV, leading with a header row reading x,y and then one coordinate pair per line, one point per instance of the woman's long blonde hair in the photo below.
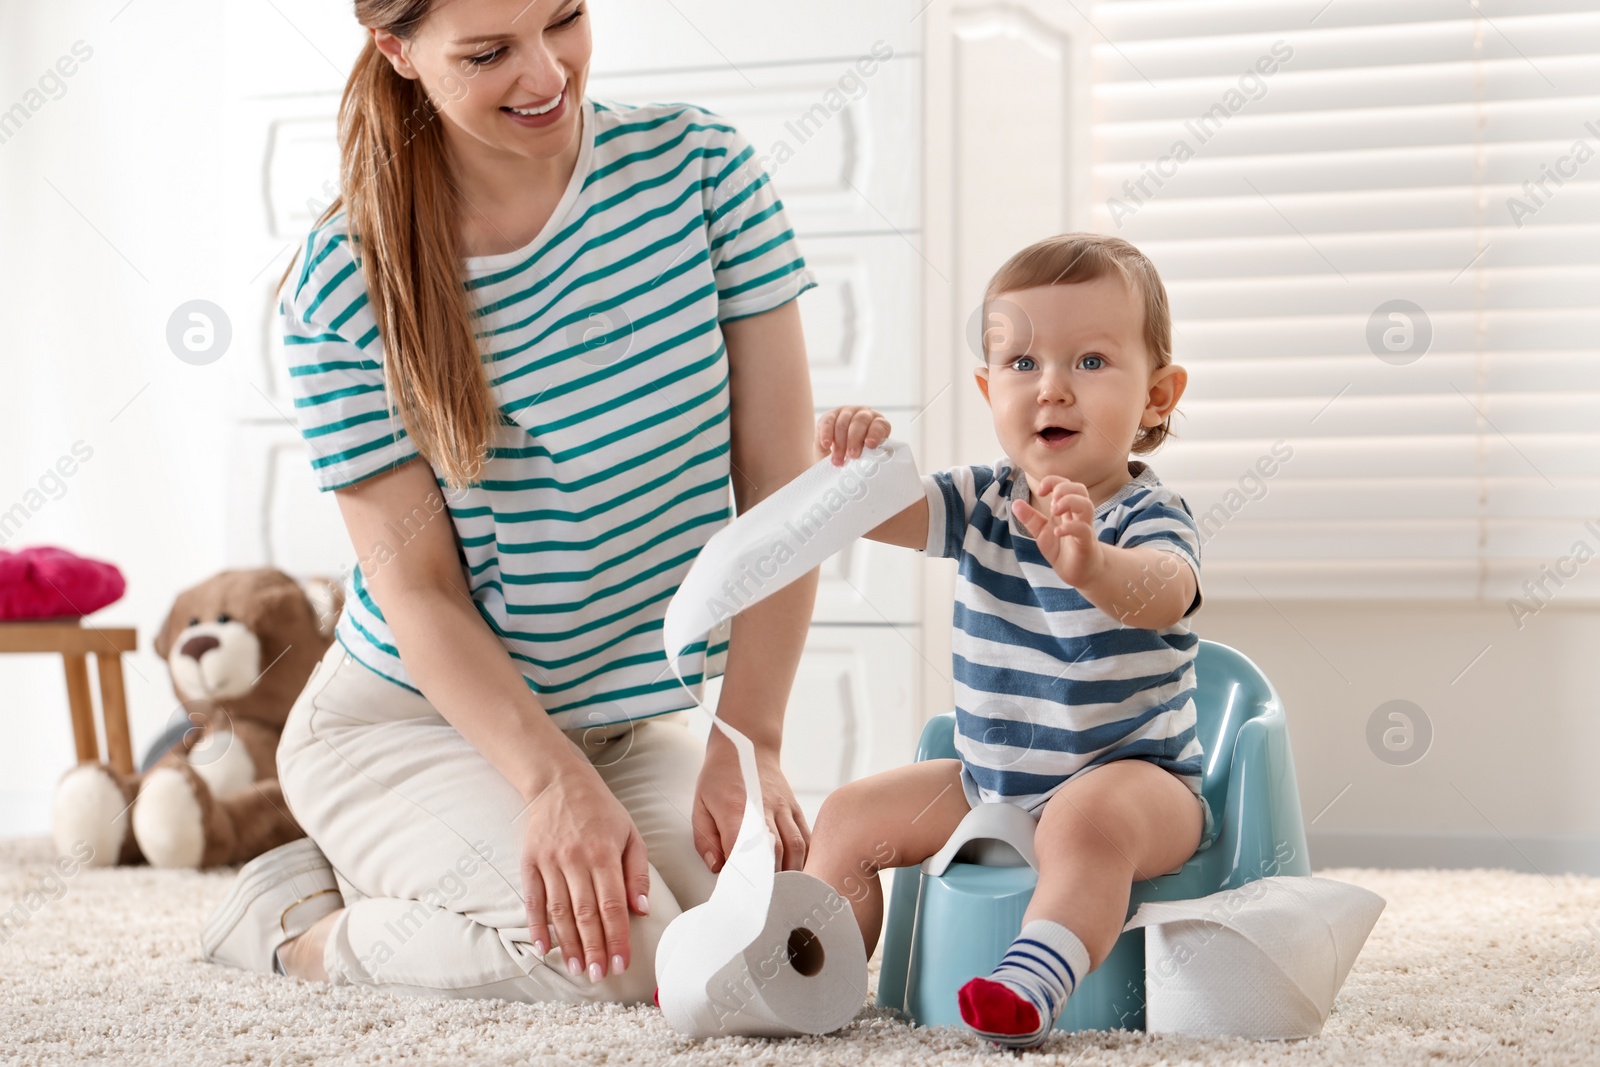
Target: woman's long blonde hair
x,y
394,179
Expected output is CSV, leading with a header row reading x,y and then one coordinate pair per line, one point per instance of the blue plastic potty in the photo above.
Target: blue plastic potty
x,y
955,917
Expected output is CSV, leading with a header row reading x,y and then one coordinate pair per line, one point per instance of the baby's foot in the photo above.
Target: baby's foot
x,y
1017,1006
1002,1014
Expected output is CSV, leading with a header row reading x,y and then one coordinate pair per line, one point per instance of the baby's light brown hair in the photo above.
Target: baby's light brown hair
x,y
1084,257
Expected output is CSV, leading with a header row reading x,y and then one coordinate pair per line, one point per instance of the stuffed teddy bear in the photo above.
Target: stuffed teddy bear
x,y
241,646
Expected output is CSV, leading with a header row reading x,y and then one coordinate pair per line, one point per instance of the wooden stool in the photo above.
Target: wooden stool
x,y
70,638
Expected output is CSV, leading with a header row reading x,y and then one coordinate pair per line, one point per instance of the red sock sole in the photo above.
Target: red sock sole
x,y
995,1009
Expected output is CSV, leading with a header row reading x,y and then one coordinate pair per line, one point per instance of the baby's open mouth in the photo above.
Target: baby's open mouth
x,y
1056,433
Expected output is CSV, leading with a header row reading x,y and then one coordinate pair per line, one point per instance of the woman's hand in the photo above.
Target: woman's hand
x,y
585,870
719,806
843,431
1065,530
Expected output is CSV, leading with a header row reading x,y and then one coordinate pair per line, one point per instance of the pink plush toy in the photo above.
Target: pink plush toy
x,y
51,583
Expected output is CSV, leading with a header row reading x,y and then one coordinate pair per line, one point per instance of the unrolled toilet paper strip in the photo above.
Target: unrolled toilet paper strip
x,y
771,953
1264,960
787,535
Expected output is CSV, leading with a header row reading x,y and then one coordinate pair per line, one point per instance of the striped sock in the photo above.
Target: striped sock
x,y
1018,1005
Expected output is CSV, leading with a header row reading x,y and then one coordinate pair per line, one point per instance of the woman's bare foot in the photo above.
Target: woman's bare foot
x,y
302,956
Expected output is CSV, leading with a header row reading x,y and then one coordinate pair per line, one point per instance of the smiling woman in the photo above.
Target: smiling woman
x,y
577,319
529,79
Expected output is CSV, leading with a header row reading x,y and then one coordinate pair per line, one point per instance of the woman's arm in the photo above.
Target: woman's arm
x,y
584,865
769,383
447,648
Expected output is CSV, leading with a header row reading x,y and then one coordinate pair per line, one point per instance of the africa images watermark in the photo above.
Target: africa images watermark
x,y
51,887
1399,732
451,886
745,588
850,87
1252,486
1218,915
52,485
52,86
410,528
1251,87
1536,192
1538,590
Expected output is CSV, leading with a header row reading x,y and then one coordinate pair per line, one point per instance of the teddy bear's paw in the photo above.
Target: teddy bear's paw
x,y
90,810
168,821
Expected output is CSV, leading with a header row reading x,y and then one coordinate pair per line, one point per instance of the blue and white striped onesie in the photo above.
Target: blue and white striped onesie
x,y
1046,684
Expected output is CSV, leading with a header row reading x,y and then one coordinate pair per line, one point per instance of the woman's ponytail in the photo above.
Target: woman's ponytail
x,y
401,212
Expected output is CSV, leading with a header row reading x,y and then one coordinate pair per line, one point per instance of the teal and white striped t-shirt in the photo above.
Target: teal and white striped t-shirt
x,y
601,339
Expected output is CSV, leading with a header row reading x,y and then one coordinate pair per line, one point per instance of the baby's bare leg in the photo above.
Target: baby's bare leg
x,y
1119,822
893,819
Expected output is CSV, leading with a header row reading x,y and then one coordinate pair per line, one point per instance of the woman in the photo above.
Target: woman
x,y
584,316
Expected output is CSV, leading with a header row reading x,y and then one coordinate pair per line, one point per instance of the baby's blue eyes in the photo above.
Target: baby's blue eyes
x,y
1084,362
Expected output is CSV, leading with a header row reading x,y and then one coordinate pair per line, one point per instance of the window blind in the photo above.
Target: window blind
x,y
1377,221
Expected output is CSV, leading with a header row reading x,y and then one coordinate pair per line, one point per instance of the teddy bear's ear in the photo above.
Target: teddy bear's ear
x,y
327,598
163,641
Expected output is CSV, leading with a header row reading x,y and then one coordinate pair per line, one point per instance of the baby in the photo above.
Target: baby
x,y
1073,663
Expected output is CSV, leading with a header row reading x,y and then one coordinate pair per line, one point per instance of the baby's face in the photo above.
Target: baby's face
x,y
1069,381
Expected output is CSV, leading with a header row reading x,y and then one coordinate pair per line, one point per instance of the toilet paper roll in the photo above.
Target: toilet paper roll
x,y
771,953
804,971
1263,961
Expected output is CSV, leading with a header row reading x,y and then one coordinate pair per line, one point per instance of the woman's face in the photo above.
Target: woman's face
x,y
480,59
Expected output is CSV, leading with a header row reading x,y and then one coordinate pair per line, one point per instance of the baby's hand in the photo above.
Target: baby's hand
x,y
842,431
1066,535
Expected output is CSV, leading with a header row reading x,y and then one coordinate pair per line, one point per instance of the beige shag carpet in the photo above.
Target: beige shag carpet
x,y
1479,967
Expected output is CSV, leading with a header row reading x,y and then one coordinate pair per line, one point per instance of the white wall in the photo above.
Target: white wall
x,y
109,203
1507,780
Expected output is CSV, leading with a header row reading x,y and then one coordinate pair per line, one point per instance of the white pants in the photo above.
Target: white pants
x,y
425,837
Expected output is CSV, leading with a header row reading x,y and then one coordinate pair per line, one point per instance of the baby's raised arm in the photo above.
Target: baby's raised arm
x,y
841,434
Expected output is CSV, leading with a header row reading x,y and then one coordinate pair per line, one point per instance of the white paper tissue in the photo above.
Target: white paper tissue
x,y
788,534
1264,960
772,953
